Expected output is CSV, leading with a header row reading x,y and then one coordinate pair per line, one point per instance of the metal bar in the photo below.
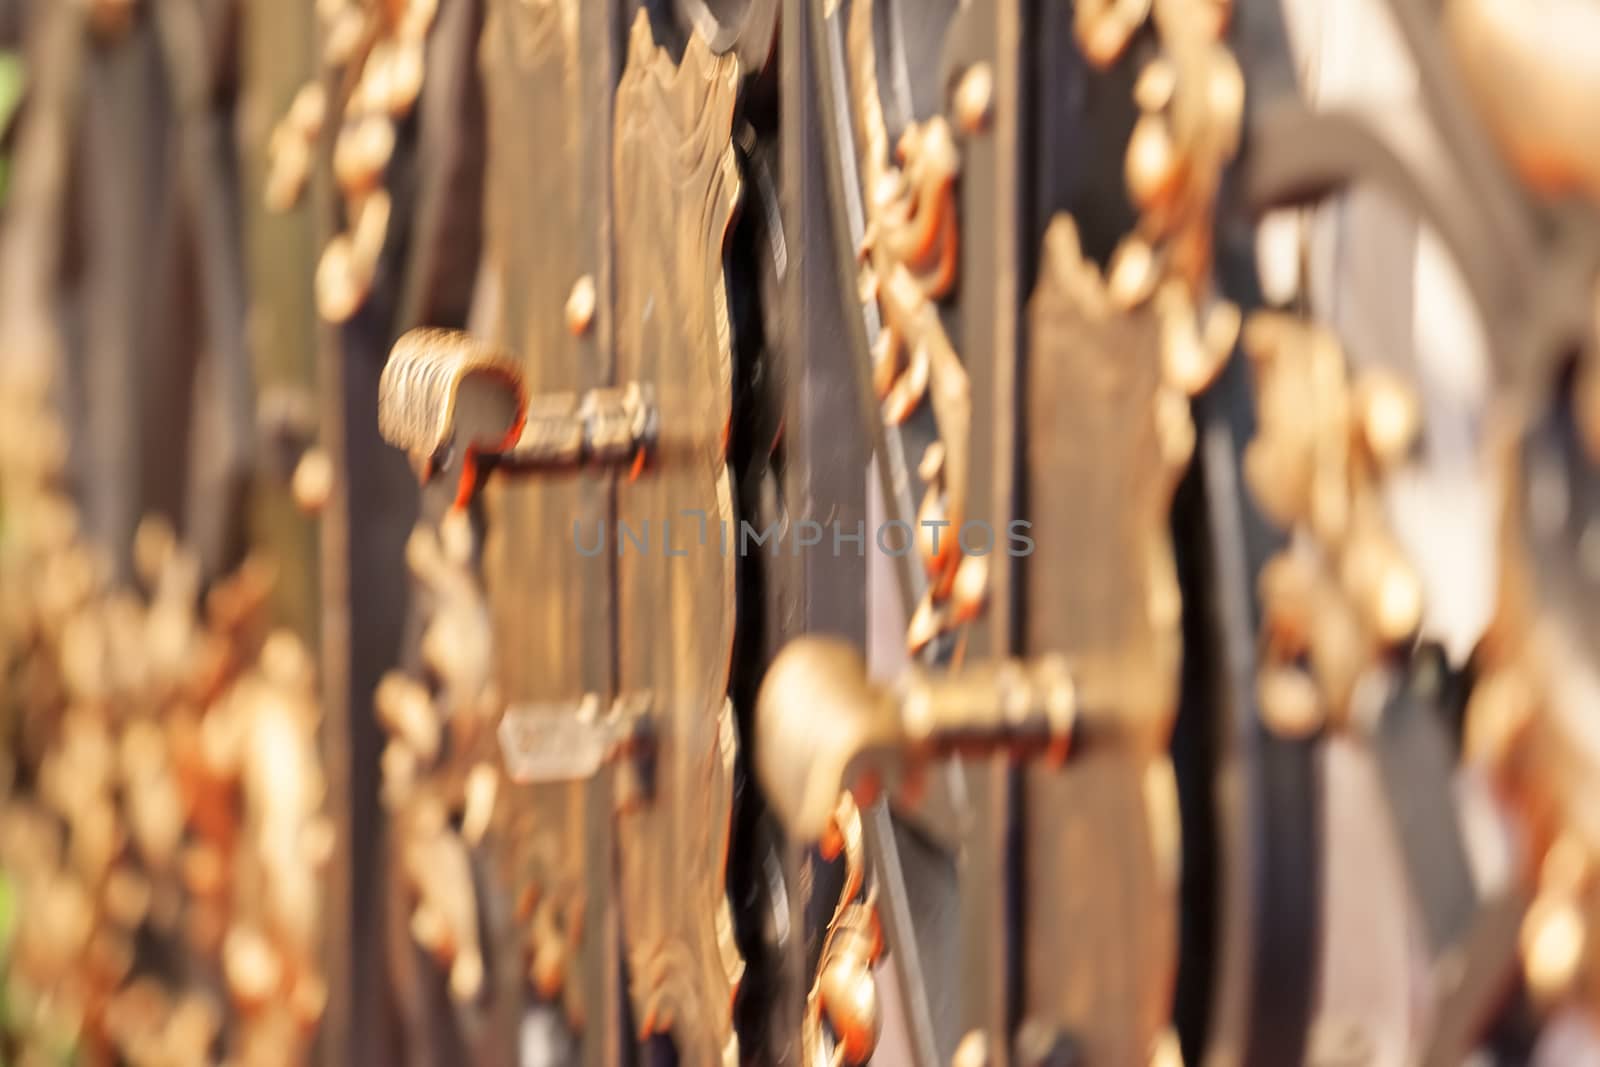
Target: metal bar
x,y
990,32
879,833
1504,209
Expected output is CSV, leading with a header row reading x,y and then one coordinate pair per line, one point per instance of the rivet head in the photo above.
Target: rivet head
x,y
973,1050
252,966
309,110
974,98
466,976
1152,166
312,483
580,306
362,152
850,995
1552,942
1290,705
548,970
971,588
406,68
1390,416
339,292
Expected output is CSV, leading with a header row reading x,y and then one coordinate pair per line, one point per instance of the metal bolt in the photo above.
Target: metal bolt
x,y
580,306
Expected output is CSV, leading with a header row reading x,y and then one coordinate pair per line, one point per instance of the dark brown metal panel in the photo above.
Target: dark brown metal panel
x,y
861,77
825,451
355,966
433,231
201,68
118,269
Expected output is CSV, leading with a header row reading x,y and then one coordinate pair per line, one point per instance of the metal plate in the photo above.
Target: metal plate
x,y
551,605
676,185
1100,839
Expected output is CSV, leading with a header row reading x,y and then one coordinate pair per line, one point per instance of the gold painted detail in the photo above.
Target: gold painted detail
x,y
676,186
383,44
452,402
1125,351
312,482
1191,99
1530,726
1109,435
292,146
973,1051
440,771
1342,594
842,1020
456,754
974,98
909,259
1113,436
175,794
581,306
427,373
1113,359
